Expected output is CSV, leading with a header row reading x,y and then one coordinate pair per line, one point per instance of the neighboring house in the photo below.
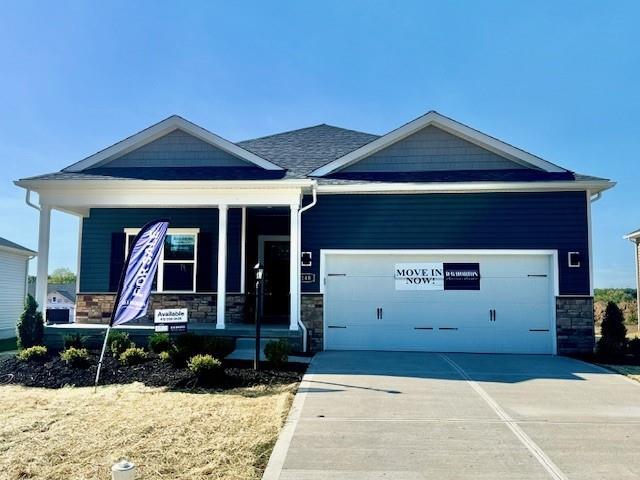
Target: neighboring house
x,y
61,302
634,237
432,237
14,265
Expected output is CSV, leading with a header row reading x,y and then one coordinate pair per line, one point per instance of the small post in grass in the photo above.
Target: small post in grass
x,y
259,304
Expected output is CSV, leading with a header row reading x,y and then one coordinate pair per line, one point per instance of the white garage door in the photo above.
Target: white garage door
x,y
511,312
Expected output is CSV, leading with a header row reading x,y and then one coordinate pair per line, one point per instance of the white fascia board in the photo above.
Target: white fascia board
x,y
18,251
465,187
449,125
632,236
162,128
79,196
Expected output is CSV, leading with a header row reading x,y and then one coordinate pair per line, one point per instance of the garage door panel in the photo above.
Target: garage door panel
x,y
362,299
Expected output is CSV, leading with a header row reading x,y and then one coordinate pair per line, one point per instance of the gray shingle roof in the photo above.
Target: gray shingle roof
x,y
302,151
299,152
9,244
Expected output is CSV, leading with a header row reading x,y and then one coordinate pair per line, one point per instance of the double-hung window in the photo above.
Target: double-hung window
x,y
178,259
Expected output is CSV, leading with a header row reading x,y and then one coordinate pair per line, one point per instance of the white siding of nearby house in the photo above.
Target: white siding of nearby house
x,y
13,272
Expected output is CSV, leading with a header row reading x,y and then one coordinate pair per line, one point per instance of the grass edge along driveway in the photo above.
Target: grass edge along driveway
x,y
73,433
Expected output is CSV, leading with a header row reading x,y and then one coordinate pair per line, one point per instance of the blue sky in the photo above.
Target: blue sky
x,y
559,79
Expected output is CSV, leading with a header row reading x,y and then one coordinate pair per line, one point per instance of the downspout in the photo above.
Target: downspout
x,y
314,199
29,202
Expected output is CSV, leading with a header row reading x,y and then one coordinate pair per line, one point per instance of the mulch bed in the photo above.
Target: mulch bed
x,y
54,373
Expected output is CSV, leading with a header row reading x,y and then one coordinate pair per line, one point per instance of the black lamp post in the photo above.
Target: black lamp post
x,y
259,305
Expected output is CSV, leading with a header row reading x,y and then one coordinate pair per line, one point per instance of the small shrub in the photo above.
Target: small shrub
x,y
612,344
74,340
30,327
133,356
75,357
33,354
119,342
219,347
277,352
160,342
634,347
207,369
186,346
165,356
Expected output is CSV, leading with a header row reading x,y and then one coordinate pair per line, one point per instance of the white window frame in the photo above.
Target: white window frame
x,y
171,231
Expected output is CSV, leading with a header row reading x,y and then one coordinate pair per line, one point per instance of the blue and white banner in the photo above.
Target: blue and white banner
x,y
139,271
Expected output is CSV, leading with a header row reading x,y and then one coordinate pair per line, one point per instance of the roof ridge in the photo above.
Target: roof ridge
x,y
302,129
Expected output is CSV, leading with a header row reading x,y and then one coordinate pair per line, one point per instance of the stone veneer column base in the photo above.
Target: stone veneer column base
x,y
311,314
96,307
574,325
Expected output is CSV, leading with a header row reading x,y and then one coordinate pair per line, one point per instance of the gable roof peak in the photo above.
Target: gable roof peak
x,y
160,129
433,118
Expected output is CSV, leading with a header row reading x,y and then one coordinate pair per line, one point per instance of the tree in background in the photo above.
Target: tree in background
x,y
613,342
62,275
30,328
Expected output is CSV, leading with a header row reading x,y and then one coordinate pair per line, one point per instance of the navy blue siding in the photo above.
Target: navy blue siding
x,y
556,220
102,222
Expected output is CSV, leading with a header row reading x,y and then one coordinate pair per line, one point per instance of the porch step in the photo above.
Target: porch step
x,y
250,343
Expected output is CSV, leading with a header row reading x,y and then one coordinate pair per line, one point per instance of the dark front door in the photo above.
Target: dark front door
x,y
276,281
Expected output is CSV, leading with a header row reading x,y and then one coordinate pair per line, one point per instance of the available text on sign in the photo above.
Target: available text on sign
x,y
437,276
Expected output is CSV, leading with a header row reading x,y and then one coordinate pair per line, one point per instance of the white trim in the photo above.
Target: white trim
x,y
129,231
18,251
160,129
243,251
294,269
466,187
78,196
221,300
42,272
590,242
632,236
449,125
552,254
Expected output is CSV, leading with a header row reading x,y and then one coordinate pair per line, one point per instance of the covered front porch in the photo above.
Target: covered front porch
x,y
217,233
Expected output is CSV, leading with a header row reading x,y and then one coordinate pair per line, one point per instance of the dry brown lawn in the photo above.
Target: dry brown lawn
x,y
74,434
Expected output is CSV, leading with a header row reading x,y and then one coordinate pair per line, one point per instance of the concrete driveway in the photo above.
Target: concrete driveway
x,y
409,416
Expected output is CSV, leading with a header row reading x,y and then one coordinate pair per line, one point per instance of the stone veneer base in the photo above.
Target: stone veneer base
x,y
96,307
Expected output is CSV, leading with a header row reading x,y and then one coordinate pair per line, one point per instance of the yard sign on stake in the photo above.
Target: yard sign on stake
x,y
136,279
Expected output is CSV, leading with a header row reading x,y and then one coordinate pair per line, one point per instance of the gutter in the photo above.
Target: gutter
x,y
314,200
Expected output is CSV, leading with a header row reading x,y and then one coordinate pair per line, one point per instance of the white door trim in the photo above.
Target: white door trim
x,y
552,254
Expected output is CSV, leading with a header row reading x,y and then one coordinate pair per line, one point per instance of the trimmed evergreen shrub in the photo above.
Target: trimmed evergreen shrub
x,y
207,369
30,328
37,353
119,342
75,357
160,342
133,356
165,356
612,345
74,340
634,347
219,347
277,352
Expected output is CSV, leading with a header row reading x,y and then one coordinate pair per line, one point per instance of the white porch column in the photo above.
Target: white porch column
x,y
222,266
294,269
42,273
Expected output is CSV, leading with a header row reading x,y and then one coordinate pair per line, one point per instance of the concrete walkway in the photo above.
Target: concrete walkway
x,y
410,416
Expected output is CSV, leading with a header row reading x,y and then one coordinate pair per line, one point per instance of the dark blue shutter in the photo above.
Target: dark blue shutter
x,y
118,240
204,274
